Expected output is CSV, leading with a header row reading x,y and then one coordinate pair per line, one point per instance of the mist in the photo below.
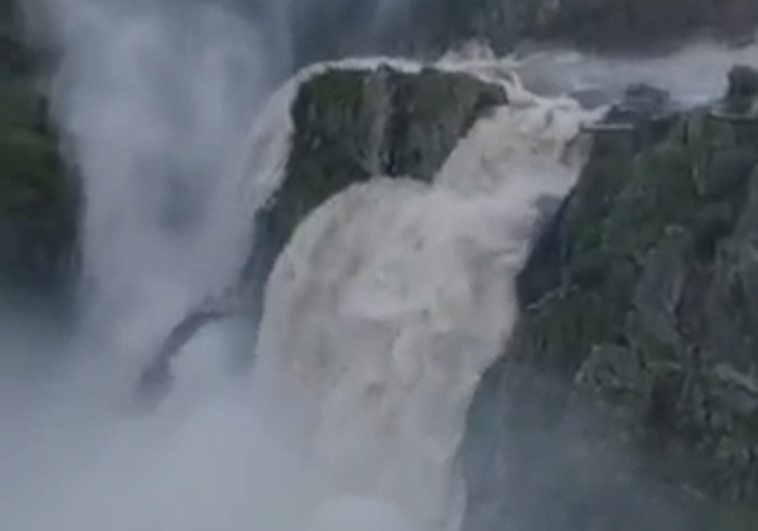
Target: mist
x,y
156,100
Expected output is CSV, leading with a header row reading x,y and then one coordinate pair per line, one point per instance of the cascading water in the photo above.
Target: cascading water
x,y
155,100
393,298
379,317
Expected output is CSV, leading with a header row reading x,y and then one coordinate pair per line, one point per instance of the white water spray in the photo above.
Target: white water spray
x,y
393,297
156,99
386,341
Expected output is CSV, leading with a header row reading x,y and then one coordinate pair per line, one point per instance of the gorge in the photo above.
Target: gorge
x,y
461,285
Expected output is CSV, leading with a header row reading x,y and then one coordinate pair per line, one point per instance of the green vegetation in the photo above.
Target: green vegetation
x,y
650,331
353,124
37,201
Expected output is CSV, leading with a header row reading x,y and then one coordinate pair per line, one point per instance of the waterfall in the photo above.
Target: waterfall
x,y
380,314
393,297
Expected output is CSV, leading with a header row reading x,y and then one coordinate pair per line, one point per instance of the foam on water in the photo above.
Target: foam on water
x,y
393,297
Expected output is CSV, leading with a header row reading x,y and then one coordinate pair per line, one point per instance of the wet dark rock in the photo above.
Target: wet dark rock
x,y
38,199
352,124
646,101
743,82
627,397
741,98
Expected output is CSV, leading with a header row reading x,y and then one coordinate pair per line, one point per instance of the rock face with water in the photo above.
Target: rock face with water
x,y
351,124
37,201
627,397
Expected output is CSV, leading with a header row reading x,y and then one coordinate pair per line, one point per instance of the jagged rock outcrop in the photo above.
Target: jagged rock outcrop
x,y
627,397
742,91
38,203
351,124
348,125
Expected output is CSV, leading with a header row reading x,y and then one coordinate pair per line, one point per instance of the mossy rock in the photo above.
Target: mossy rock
x,y
31,183
38,201
662,192
352,124
651,302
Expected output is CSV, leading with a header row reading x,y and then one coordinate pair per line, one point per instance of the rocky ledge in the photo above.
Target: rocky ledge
x,y
352,124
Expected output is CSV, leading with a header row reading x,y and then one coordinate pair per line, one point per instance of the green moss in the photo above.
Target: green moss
x,y
37,201
653,315
338,91
566,327
352,124
595,197
726,516
325,109
31,173
622,208
661,193
431,111
31,183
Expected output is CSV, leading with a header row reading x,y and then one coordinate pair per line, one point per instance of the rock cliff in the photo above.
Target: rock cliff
x,y
37,200
351,124
627,396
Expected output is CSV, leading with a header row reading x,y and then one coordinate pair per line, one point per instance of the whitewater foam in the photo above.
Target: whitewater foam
x,y
393,296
